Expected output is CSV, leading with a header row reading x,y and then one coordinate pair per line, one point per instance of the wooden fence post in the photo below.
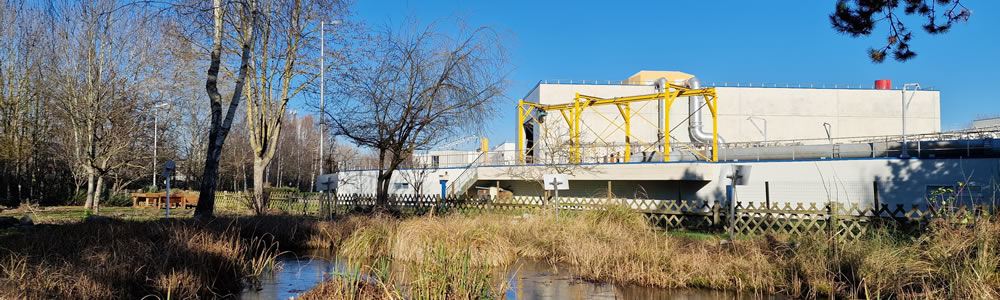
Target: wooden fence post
x,y
715,213
877,208
832,210
767,194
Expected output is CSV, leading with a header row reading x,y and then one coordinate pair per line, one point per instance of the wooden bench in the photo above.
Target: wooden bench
x,y
159,200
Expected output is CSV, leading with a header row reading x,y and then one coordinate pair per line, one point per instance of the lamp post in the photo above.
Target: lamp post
x,y
322,88
905,104
155,137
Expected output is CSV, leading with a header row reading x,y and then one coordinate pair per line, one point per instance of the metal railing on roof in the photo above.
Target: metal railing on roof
x,y
612,153
849,86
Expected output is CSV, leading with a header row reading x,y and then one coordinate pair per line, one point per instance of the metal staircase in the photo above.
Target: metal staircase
x,y
461,184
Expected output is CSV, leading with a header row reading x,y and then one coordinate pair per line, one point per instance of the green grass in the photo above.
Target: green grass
x,y
697,235
64,214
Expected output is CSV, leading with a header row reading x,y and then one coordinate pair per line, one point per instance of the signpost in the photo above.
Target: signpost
x,y
326,183
556,182
738,175
168,169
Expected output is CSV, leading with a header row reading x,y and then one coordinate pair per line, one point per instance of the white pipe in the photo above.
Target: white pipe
x,y
661,86
694,121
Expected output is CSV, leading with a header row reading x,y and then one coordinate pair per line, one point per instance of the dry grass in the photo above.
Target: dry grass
x,y
617,246
458,257
168,259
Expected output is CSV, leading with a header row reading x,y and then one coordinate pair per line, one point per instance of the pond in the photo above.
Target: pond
x,y
529,279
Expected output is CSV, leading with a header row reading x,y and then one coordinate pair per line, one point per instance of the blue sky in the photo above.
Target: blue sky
x,y
735,41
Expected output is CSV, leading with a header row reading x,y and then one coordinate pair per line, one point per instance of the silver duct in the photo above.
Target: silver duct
x,y
694,122
661,85
929,149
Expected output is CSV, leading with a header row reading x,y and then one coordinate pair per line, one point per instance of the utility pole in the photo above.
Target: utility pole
x,y
155,136
322,88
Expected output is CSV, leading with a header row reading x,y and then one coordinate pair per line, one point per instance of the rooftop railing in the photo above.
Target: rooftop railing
x,y
851,86
594,153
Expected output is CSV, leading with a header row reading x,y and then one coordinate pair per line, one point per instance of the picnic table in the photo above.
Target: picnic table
x,y
159,200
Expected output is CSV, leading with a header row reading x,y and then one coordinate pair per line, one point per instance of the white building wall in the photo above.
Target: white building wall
x,y
402,182
791,114
849,181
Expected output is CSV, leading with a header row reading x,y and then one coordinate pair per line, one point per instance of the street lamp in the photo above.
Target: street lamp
x,y
159,105
764,132
905,105
322,88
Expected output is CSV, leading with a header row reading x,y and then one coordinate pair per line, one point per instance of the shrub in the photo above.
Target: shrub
x,y
282,189
118,199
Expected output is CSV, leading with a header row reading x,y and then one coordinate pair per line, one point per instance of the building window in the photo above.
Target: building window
x,y
402,185
435,161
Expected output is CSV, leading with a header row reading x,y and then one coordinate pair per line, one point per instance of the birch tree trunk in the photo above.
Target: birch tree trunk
x,y
90,191
220,127
97,194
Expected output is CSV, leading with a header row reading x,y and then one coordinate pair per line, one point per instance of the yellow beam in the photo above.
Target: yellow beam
x,y
712,104
576,129
575,109
627,116
569,121
597,101
520,131
667,102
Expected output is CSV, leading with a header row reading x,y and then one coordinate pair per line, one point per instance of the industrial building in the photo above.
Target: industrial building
x,y
669,136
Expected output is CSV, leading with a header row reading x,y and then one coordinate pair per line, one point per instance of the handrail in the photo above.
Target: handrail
x,y
473,167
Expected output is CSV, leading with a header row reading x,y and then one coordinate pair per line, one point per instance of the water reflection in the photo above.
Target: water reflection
x,y
528,279
297,275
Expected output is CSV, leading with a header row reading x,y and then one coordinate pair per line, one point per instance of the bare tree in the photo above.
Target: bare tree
x,y
245,17
280,70
418,87
24,119
416,174
103,78
555,147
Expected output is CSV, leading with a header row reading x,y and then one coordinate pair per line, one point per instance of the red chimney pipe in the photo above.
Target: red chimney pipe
x,y
883,84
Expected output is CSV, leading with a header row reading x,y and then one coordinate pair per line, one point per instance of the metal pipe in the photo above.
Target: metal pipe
x,y
662,86
694,122
916,86
929,149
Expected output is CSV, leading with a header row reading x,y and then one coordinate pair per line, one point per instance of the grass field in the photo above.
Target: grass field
x,y
64,214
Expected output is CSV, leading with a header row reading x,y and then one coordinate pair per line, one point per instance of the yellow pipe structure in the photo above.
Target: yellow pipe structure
x,y
573,112
667,102
627,116
522,115
520,131
712,104
576,129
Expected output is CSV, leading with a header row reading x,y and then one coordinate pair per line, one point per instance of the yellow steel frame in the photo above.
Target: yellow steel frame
x,y
572,113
